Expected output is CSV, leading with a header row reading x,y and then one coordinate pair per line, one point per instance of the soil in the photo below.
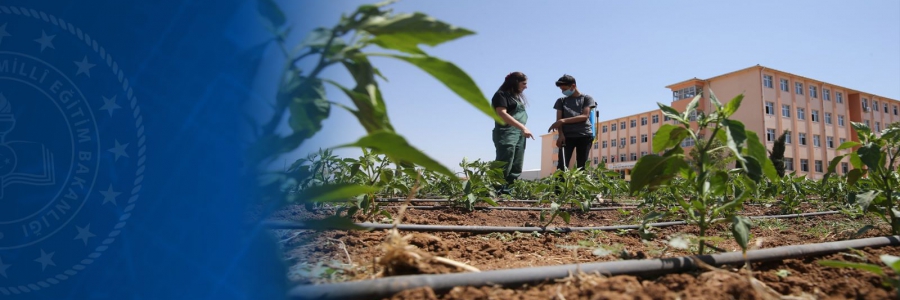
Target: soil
x,y
336,256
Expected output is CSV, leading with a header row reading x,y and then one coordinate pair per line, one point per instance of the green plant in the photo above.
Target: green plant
x,y
478,185
876,157
301,96
709,200
891,261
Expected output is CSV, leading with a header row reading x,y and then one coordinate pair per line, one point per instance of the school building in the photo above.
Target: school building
x,y
816,114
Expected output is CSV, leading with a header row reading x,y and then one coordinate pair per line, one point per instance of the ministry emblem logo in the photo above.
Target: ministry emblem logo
x,y
71,150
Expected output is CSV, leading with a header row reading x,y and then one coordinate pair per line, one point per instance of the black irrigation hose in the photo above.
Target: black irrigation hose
x,y
489,229
436,207
385,287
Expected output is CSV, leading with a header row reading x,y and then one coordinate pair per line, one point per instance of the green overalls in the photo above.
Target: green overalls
x,y
510,144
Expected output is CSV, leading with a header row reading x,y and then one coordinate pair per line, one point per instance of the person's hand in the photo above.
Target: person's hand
x,y
555,126
561,141
527,133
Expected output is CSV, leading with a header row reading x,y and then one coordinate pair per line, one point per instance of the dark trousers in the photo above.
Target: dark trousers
x,y
580,145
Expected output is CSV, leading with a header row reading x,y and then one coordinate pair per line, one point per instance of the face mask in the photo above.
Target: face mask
x,y
569,92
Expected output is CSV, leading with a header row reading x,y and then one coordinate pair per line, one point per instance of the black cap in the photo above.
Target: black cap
x,y
565,80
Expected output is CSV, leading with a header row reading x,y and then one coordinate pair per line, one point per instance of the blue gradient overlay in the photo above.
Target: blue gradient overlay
x,y
120,161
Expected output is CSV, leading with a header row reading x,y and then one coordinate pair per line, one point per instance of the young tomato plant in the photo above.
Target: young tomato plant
x,y
875,157
478,186
708,201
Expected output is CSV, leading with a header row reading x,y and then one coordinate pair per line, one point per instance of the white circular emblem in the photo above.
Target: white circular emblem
x,y
71,150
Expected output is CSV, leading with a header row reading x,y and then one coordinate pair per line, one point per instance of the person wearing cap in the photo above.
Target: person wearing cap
x,y
573,123
509,139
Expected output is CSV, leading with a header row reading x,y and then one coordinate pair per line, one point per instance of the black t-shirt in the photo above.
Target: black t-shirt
x,y
573,106
505,99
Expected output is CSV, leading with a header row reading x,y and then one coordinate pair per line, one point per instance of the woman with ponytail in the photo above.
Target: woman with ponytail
x,y
509,139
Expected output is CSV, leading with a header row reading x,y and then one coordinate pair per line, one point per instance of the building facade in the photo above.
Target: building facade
x,y
815,114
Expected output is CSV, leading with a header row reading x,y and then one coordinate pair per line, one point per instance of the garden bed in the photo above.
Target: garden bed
x,y
342,256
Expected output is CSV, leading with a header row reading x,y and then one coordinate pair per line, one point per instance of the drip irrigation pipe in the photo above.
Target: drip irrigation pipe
x,y
385,287
490,229
435,207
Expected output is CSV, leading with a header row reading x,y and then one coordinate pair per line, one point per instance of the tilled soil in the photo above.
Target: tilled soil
x,y
332,256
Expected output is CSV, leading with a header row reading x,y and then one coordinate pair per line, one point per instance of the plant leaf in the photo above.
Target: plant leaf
x,y
404,32
842,264
334,192
847,145
399,150
732,106
668,136
454,78
271,12
740,228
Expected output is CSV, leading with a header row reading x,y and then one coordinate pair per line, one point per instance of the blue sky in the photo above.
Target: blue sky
x,y
623,53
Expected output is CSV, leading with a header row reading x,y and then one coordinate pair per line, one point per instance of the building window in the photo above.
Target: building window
x,y
813,92
895,110
826,94
612,158
633,140
789,164
643,121
841,120
816,141
687,142
622,157
770,108
865,105
787,137
643,153
785,110
828,118
804,165
839,97
603,159
612,127
633,123
868,124
688,92
814,115
830,141
654,119
818,166
802,138
801,113
693,116
612,143
596,145
784,85
666,118
595,160
877,126
603,144
604,128
798,88
643,138
622,142
622,125
633,156
875,105
770,135
767,81
845,168
885,108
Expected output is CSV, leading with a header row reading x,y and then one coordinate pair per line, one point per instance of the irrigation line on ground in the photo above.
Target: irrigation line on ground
x,y
490,229
385,287
438,207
